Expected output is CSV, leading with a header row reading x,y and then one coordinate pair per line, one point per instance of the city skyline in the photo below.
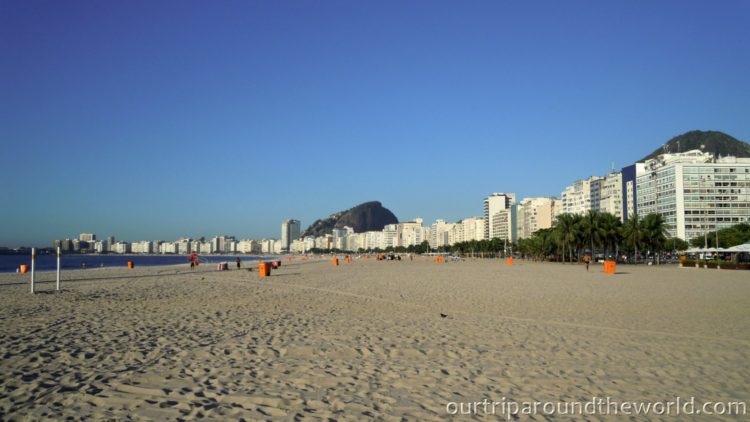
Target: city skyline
x,y
224,118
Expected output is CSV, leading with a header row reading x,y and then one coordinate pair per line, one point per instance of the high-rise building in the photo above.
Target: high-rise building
x,y
339,239
290,230
87,237
493,207
582,196
468,229
535,214
411,233
629,189
695,192
611,195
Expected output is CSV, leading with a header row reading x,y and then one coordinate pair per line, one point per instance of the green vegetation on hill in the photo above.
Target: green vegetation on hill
x,y
717,143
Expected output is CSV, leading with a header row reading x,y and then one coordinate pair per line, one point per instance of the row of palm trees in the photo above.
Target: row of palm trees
x,y
574,235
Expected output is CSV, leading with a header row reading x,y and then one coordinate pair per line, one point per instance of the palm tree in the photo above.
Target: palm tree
x,y
566,230
632,233
592,229
610,230
655,233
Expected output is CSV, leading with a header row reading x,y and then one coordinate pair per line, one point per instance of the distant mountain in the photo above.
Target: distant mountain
x,y
717,143
370,216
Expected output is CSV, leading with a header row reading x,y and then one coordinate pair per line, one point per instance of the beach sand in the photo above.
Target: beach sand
x,y
367,340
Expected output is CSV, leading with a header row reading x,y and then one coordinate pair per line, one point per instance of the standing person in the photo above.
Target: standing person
x,y
586,260
238,263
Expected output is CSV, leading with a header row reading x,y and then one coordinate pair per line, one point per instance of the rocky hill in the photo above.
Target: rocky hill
x,y
717,143
364,217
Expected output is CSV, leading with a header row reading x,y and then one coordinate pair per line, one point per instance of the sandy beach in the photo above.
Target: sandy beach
x,y
384,340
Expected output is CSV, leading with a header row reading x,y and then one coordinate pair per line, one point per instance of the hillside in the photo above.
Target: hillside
x,y
364,217
717,143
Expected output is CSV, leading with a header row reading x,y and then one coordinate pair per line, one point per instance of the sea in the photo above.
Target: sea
x,y
11,263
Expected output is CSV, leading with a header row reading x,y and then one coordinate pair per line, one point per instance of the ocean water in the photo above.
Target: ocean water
x,y
10,263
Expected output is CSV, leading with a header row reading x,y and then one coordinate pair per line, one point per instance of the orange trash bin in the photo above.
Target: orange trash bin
x,y
264,269
24,268
609,267
335,262
131,265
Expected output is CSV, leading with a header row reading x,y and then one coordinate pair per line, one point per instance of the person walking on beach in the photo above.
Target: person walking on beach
x,y
586,260
238,263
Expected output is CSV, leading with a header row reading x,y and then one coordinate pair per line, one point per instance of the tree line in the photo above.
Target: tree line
x,y
573,235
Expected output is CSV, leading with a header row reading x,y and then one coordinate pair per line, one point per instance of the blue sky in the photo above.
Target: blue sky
x,y
154,120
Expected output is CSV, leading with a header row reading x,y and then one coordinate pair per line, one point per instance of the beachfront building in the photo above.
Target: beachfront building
x,y
355,241
87,237
494,206
248,246
290,230
298,246
121,247
184,246
629,189
101,246
309,242
611,194
411,233
583,195
324,242
144,247
504,224
341,237
267,246
373,240
440,234
468,229
534,214
695,192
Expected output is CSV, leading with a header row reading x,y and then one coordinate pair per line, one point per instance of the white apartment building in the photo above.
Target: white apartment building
x,y
695,192
309,243
87,237
503,225
204,248
582,196
356,241
440,234
610,195
411,233
145,247
494,205
374,240
101,246
298,246
121,247
468,229
339,239
535,214
268,246
324,242
248,246
390,236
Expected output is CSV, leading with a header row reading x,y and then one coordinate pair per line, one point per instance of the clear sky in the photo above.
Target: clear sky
x,y
161,119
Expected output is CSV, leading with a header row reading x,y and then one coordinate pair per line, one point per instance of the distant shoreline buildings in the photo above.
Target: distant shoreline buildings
x,y
694,191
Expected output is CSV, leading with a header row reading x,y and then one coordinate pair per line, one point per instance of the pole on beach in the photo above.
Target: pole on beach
x,y
58,269
33,258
